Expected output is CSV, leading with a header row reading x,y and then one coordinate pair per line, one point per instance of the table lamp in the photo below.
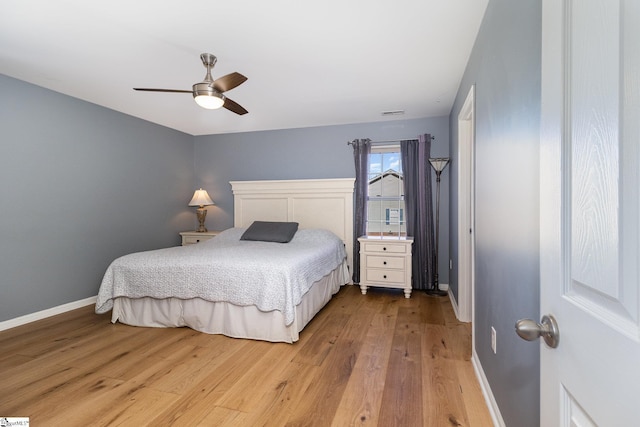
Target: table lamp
x,y
201,199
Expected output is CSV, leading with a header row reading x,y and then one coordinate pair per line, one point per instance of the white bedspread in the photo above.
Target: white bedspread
x,y
271,276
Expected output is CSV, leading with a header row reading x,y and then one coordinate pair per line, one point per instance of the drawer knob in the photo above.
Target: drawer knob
x,y
384,262
385,276
197,240
384,248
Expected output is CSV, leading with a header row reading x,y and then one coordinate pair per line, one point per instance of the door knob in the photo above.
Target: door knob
x,y
530,330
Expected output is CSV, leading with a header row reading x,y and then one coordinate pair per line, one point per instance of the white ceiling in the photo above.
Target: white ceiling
x,y
308,63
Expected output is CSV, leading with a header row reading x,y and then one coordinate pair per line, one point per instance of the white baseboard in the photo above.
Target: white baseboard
x,y
494,411
454,303
443,286
28,318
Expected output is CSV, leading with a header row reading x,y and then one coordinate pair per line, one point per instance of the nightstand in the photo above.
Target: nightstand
x,y
192,237
385,263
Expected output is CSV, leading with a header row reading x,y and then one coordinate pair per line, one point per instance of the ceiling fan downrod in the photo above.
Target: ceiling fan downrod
x,y
208,60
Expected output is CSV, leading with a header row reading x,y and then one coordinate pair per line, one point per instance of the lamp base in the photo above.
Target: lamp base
x,y
436,292
201,213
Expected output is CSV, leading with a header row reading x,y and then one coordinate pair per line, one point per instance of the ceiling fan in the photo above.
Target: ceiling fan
x,y
209,93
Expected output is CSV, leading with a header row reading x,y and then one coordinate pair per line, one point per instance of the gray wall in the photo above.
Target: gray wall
x,y
79,186
505,67
317,152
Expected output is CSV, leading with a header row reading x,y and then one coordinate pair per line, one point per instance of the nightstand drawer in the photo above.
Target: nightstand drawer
x,y
193,237
385,276
190,240
384,262
384,247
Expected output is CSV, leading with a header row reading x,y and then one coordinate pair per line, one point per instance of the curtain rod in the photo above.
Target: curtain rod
x,y
391,140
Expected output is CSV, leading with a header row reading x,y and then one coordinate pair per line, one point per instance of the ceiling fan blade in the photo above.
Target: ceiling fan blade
x,y
228,82
162,90
234,106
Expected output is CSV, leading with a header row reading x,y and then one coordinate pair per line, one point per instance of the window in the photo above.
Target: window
x,y
385,198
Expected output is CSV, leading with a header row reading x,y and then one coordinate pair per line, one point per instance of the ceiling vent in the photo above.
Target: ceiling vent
x,y
393,113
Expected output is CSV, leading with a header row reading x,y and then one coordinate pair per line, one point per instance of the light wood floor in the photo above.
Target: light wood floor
x,y
376,360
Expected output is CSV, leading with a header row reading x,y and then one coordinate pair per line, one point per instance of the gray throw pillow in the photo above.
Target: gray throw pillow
x,y
266,231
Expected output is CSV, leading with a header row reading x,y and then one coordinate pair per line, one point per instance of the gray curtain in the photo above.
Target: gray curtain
x,y
418,202
361,150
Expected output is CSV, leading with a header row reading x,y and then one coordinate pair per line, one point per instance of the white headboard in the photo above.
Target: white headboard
x,y
313,203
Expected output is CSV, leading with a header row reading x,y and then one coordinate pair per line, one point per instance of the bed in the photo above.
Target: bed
x,y
241,306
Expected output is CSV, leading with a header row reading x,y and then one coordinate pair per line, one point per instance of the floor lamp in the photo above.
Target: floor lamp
x,y
438,164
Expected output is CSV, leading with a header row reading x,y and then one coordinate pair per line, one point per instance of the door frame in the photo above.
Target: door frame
x,y
466,208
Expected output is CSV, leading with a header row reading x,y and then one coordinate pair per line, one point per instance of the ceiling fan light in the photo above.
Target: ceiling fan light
x,y
210,102
206,96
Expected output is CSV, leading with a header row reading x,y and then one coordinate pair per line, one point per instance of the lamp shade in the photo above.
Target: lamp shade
x,y
439,163
201,198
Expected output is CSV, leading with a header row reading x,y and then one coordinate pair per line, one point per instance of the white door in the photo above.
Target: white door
x,y
590,211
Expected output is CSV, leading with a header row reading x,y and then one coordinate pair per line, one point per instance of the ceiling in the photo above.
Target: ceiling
x,y
308,63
